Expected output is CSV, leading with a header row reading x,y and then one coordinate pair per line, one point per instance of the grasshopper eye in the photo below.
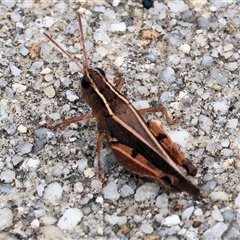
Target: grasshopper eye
x,y
85,82
101,71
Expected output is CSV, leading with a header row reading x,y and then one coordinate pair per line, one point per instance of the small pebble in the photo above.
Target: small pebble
x,y
168,75
15,71
70,219
35,224
111,191
7,176
51,232
187,213
177,6
216,214
171,221
24,148
218,196
18,87
31,164
89,172
115,220
233,233
237,200
146,228
22,129
228,215
53,193
118,27
146,191
71,96
126,191
46,71
118,62
24,51
6,218
40,190
49,91
185,48
215,232
78,187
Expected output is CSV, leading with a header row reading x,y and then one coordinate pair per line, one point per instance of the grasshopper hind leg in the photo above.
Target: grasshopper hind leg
x,y
166,142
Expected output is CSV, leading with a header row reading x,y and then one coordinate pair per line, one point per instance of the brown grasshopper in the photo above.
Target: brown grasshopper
x,y
142,148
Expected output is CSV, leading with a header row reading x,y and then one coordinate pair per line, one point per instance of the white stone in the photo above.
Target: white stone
x,y
6,218
225,143
7,176
216,214
126,191
53,193
118,61
24,51
15,71
89,172
61,7
146,191
185,48
219,196
220,106
35,224
237,200
24,148
141,104
215,232
46,71
15,16
114,219
111,192
22,129
102,51
55,116
78,187
232,66
36,65
187,213
198,212
168,75
171,221
228,47
18,87
49,91
232,123
177,6
207,61
40,189
50,232
181,137
118,27
70,219
146,228
71,96
205,123
115,3
48,77
143,90
162,201
31,164
96,185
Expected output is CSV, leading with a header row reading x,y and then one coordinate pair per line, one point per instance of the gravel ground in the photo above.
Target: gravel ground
x,y
182,55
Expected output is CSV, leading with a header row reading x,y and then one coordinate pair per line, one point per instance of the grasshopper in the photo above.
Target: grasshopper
x,y
142,148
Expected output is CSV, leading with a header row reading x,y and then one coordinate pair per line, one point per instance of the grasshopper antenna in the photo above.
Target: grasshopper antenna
x,y
82,38
65,52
